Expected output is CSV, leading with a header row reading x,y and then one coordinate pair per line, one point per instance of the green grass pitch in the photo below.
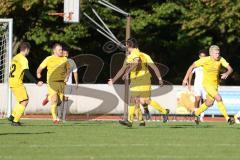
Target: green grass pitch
x,y
100,140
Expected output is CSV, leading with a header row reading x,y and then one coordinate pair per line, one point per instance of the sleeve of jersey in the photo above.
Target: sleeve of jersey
x,y
130,58
44,63
224,63
149,59
199,62
25,64
67,65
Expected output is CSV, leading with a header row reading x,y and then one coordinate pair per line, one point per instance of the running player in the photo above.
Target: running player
x,y
57,75
199,92
19,69
211,70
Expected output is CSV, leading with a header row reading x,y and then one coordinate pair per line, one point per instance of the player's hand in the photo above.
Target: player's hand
x,y
161,83
76,86
39,75
40,83
224,76
189,87
110,82
66,79
125,76
185,82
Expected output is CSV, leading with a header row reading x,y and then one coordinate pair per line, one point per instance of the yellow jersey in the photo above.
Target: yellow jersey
x,y
18,65
211,69
56,68
141,71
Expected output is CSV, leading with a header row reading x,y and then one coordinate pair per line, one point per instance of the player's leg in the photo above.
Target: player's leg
x,y
53,98
60,111
213,91
68,90
138,112
161,109
146,111
45,100
54,102
208,103
22,100
202,100
223,110
59,86
131,111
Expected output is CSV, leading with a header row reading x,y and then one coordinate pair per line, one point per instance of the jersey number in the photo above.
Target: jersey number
x,y
13,69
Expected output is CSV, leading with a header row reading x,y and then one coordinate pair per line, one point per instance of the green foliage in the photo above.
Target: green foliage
x,y
167,30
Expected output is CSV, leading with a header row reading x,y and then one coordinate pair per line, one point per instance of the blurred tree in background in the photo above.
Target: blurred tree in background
x,y
171,31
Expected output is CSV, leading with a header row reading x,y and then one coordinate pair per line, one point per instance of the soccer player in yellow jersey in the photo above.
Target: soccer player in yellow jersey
x,y
211,70
140,87
57,75
19,69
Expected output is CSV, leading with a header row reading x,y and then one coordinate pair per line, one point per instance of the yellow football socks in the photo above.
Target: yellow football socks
x,y
201,109
18,112
54,111
222,109
131,110
14,110
155,105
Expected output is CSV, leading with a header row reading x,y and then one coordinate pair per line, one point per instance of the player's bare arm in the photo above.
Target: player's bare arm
x,y
227,73
75,74
118,75
157,72
189,71
32,78
39,72
67,72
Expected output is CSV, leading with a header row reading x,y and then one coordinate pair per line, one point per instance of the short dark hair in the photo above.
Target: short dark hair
x,y
25,45
55,45
132,42
203,51
64,48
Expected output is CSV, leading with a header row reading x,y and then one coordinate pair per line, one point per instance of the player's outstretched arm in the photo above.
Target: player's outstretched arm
x,y
189,71
118,75
157,72
227,73
32,79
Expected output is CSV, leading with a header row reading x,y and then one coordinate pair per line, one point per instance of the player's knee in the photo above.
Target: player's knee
x,y
197,99
142,101
54,99
209,103
218,98
24,103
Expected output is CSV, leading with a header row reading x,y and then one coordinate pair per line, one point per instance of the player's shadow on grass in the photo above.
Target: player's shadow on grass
x,y
26,133
191,126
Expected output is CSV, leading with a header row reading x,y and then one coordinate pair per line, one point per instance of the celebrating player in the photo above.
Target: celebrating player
x,y
211,70
57,75
19,68
199,92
